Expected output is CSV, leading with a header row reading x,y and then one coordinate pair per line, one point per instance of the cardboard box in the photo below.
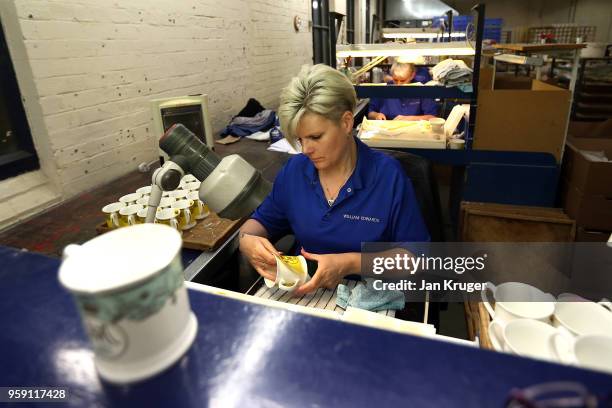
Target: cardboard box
x,y
586,235
594,130
525,120
589,177
589,211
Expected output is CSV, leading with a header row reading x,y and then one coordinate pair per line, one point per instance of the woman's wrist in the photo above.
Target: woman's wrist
x,y
351,264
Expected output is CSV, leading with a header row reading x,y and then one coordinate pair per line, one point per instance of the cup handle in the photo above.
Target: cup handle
x,y
131,219
174,223
495,340
568,357
606,304
200,206
70,250
187,216
115,219
488,286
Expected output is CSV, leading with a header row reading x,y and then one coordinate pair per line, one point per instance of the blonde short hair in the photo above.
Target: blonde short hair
x,y
317,89
402,67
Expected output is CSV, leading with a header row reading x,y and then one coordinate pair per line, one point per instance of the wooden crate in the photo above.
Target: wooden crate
x,y
488,222
477,319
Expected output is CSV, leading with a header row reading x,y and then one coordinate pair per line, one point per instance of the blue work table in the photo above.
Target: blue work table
x,y
251,355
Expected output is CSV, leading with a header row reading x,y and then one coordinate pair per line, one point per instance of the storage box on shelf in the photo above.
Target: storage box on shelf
x,y
511,118
586,188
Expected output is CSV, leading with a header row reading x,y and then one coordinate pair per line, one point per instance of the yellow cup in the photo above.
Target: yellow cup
x,y
165,202
145,191
130,199
179,194
111,211
141,215
185,218
199,210
192,186
168,216
128,215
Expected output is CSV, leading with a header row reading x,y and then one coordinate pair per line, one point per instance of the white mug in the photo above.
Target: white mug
x,y
185,219
191,186
516,300
291,272
169,217
523,337
145,191
127,215
188,178
199,210
583,318
112,214
179,194
592,351
129,288
130,199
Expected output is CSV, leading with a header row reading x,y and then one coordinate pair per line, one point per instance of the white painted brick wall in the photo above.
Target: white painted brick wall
x,y
97,64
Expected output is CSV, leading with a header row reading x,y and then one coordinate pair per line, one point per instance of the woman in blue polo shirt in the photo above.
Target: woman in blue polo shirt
x,y
402,108
337,194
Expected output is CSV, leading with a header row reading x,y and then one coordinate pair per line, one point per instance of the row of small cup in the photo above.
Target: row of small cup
x,y
180,214
569,329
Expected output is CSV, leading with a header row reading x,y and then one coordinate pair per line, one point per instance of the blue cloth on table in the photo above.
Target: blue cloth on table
x,y
364,296
243,125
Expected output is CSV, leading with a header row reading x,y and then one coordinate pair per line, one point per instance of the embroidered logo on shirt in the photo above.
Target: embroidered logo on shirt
x,y
361,218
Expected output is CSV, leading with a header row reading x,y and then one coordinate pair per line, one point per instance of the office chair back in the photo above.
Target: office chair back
x,y
420,172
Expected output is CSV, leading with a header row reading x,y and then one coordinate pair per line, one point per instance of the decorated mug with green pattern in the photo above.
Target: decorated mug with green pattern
x,y
128,285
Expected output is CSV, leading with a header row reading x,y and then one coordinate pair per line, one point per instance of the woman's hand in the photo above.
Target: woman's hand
x,y
404,117
330,271
260,252
380,116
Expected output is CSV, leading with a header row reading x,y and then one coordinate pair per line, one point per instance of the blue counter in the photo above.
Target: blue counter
x,y
250,355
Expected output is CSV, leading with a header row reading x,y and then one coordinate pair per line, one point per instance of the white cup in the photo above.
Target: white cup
x,y
112,214
456,144
127,215
165,202
291,272
169,217
191,186
146,190
186,221
188,178
516,300
129,288
592,351
583,318
199,209
523,337
437,125
130,199
144,200
179,194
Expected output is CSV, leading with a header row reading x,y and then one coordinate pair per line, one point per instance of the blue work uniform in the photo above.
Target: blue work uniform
x,y
392,107
376,204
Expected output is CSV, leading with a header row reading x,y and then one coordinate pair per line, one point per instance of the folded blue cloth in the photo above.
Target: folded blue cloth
x,y
243,126
364,296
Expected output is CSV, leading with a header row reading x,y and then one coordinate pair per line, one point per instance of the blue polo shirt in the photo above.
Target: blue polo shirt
x,y
377,204
392,107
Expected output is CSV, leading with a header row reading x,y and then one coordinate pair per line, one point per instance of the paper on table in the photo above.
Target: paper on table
x,y
283,146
